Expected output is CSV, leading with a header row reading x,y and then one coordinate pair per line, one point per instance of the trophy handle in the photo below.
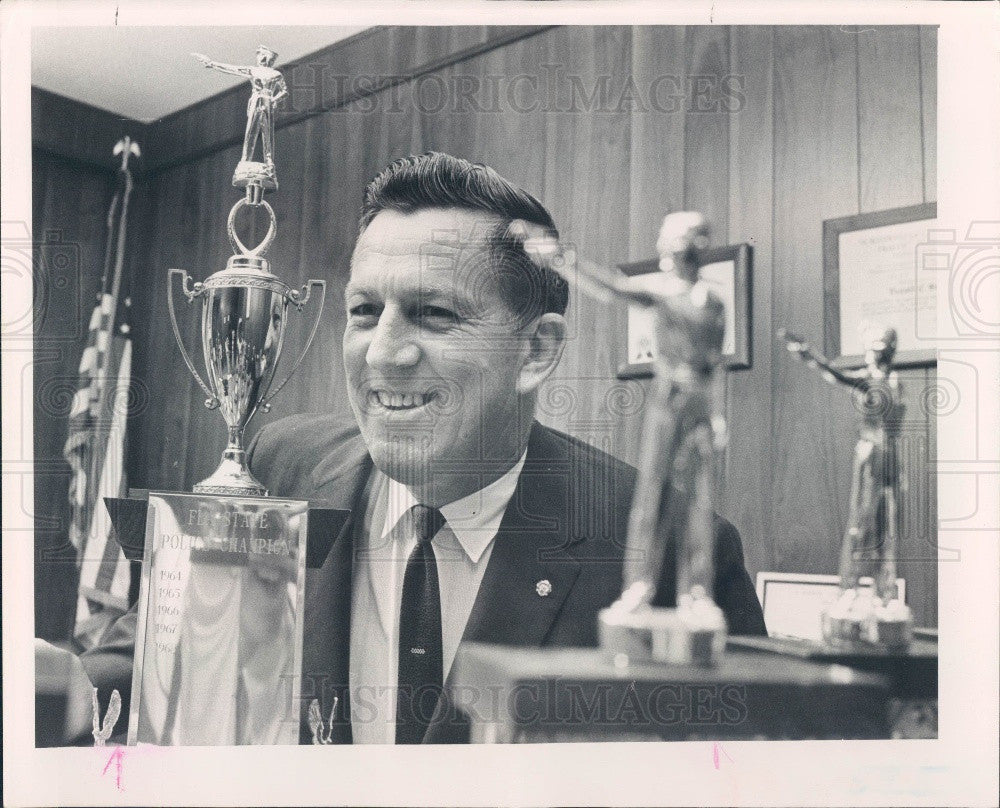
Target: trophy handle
x,y
190,293
299,299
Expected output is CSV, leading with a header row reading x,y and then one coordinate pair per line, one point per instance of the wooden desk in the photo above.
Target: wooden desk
x,y
545,695
912,674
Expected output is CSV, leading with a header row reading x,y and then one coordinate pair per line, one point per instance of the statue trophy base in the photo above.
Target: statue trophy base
x,y
859,618
694,633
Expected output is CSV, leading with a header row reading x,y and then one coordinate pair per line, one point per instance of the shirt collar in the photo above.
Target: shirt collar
x,y
474,519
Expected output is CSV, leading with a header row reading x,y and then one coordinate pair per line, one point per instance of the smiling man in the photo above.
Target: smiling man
x,y
442,361
470,520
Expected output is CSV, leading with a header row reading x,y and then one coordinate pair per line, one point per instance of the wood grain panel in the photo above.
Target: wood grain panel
x,y
923,570
498,104
928,107
69,208
328,240
890,145
746,497
586,184
706,126
658,127
80,132
815,155
443,122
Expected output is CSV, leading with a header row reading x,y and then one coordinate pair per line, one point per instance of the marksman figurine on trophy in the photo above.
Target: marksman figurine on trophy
x,y
858,615
268,88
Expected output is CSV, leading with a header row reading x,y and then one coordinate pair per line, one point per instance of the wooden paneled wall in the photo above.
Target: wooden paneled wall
x,y
767,130
69,206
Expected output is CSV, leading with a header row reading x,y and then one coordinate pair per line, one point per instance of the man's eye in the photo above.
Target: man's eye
x,y
437,314
364,310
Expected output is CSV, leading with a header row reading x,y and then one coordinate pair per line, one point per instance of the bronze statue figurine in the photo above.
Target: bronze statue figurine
x,y
858,615
672,506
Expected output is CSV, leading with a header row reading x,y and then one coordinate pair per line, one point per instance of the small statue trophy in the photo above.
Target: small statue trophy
x,y
858,616
219,633
268,88
672,506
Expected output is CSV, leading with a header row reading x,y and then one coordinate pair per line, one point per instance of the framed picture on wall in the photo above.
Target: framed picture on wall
x,y
872,275
728,270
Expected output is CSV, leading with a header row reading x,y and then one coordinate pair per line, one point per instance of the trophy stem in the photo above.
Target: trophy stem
x,y
233,474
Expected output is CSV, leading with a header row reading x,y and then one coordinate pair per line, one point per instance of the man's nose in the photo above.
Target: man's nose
x,y
394,342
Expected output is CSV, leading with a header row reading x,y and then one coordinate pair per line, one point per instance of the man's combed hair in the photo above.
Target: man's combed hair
x,y
436,180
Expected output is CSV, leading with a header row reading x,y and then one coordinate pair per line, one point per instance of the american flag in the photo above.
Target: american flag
x,y
95,446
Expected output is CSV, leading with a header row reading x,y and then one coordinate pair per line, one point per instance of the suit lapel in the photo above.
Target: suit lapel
x,y
340,481
529,574
527,579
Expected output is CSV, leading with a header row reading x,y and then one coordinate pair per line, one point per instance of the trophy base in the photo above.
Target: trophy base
x,y
858,619
232,477
693,634
250,172
894,625
229,490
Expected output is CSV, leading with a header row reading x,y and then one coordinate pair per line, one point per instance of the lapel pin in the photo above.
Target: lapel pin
x,y
543,588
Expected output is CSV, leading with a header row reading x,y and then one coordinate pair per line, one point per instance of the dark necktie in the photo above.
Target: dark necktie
x,y
421,665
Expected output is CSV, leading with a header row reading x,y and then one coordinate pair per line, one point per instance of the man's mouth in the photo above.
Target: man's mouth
x,y
389,400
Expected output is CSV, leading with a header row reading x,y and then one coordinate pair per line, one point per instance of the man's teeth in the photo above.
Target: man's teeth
x,y
400,400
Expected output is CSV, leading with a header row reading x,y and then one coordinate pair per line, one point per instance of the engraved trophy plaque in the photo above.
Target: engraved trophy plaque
x,y
219,636
672,506
860,616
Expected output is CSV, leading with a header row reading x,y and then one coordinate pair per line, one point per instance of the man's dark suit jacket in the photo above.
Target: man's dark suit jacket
x,y
566,523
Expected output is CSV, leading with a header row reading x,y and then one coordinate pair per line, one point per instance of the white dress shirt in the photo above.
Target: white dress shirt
x,y
462,548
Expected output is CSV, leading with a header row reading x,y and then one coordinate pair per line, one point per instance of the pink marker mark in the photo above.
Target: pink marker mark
x,y
117,756
716,748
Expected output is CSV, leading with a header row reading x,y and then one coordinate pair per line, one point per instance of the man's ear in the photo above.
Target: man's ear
x,y
546,340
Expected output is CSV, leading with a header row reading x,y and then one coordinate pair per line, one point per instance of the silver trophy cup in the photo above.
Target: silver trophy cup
x,y
242,329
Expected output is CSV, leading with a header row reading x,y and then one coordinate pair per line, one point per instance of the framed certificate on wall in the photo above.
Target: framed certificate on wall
x,y
872,276
727,270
